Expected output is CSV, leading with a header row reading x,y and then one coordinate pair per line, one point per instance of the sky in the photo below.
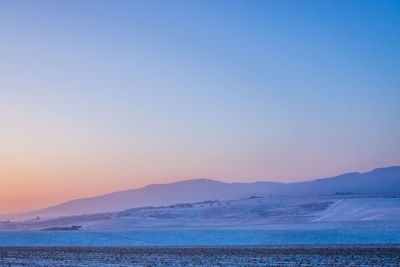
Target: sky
x,y
100,96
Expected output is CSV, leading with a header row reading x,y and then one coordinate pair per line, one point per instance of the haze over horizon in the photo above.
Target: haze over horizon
x,y
99,96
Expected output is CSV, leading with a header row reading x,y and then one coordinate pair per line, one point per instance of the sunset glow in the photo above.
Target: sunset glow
x,y
97,97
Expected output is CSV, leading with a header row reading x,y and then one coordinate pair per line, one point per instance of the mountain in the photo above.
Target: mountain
x,y
378,181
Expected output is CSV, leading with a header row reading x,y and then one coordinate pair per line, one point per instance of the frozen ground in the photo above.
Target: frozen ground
x,y
299,255
198,237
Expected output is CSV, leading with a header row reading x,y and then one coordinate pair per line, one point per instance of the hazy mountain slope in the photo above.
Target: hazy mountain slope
x,y
383,180
163,194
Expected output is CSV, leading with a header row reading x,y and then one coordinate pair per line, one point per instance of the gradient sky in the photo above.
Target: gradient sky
x,y
100,96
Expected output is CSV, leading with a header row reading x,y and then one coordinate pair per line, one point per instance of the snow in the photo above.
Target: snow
x,y
318,212
364,209
197,237
353,219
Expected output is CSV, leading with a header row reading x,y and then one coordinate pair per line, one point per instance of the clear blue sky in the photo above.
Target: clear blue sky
x,y
97,96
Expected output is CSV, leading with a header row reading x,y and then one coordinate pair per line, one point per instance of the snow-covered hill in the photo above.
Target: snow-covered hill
x,y
316,212
382,181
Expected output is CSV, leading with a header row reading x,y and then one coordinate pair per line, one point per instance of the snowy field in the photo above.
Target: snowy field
x,y
297,231
299,255
198,237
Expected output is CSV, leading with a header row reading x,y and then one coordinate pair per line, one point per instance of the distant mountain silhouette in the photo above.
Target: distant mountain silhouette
x,y
382,180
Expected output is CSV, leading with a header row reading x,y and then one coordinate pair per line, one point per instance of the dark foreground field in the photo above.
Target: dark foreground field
x,y
296,255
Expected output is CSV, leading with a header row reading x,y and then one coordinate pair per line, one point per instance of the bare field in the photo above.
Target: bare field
x,y
288,255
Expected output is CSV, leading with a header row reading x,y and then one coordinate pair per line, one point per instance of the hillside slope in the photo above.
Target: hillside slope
x,y
378,181
318,212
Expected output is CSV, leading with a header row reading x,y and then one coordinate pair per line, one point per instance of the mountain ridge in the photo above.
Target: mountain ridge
x,y
379,180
